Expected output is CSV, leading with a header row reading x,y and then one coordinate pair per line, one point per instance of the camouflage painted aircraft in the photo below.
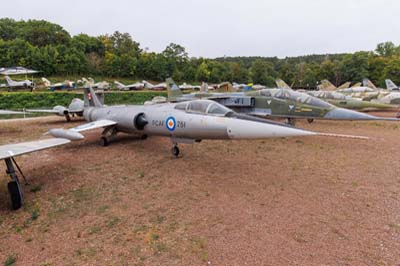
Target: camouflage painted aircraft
x,y
183,122
280,103
343,101
326,85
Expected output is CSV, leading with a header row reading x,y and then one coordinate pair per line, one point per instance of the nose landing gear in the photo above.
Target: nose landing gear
x,y
175,150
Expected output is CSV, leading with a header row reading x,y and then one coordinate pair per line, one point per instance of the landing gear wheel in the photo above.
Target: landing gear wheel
x,y
143,136
291,121
68,118
16,194
104,142
310,120
175,151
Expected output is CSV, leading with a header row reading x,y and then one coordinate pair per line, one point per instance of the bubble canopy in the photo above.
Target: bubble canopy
x,y
205,107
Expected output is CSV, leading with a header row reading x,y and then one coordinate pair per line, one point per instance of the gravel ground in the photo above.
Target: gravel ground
x,y
298,201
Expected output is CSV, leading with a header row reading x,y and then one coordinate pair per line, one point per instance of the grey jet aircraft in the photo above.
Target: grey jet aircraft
x,y
184,122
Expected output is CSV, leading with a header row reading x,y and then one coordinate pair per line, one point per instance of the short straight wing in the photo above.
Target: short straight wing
x,y
94,125
12,150
7,112
49,111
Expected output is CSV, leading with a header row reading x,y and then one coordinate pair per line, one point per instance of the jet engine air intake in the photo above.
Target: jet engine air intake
x,y
140,121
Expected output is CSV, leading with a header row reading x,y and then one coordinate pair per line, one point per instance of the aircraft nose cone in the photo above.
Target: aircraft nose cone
x,y
242,129
345,114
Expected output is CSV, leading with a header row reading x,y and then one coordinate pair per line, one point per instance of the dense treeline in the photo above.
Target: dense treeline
x,y
48,47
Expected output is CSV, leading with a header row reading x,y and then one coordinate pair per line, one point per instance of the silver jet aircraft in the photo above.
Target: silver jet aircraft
x,y
24,84
130,87
185,122
74,108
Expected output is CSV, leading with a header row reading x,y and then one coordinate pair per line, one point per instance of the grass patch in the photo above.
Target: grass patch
x,y
113,221
36,188
94,230
10,260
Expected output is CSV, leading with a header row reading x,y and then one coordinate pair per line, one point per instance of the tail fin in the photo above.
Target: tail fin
x,y
46,82
204,87
9,80
173,90
91,99
119,84
282,85
358,84
326,85
147,84
368,83
390,85
344,85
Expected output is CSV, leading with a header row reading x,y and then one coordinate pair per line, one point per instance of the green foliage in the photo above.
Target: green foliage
x,y
49,48
11,260
20,100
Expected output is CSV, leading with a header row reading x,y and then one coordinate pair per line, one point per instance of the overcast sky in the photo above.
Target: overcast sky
x,y
214,28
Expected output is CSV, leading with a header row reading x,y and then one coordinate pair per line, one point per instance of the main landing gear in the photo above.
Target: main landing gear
x,y
290,121
14,186
68,118
175,150
108,135
310,120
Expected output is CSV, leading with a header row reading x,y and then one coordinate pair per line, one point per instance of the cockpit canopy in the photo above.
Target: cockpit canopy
x,y
204,107
300,97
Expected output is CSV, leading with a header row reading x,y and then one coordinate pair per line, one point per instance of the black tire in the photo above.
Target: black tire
x,y
68,118
143,137
310,120
16,194
175,151
104,142
291,121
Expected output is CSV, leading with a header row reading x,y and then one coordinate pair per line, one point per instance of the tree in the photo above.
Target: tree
x,y
202,72
262,72
385,49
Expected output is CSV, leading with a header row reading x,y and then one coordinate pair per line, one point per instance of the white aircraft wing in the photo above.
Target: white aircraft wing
x,y
7,112
94,125
12,150
49,111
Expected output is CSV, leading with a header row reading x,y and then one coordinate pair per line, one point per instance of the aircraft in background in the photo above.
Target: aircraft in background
x,y
66,85
343,101
134,86
282,85
185,86
326,85
24,84
183,122
103,85
74,108
391,86
160,86
280,103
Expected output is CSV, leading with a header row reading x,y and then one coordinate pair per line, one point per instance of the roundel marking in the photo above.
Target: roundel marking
x,y
170,123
